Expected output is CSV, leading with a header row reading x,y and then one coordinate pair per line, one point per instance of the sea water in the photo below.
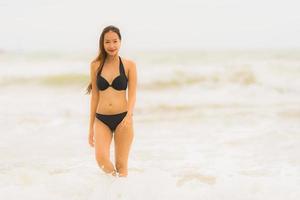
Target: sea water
x,y
207,125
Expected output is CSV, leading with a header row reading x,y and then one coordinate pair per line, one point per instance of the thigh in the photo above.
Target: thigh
x,y
103,137
123,138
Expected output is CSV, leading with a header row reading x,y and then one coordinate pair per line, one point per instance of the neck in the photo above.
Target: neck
x,y
110,58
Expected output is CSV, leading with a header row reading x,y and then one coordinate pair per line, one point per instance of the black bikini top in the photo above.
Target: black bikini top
x,y
119,83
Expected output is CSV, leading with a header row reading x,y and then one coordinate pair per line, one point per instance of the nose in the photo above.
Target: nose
x,y
111,46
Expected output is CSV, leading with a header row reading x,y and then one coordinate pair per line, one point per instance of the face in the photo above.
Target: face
x,y
112,43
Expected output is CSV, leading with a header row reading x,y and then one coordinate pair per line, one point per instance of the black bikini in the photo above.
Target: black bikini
x,y
119,83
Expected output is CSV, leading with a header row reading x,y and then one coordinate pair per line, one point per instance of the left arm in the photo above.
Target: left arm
x,y
132,85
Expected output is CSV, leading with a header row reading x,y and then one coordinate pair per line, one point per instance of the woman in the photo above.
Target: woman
x,y
111,112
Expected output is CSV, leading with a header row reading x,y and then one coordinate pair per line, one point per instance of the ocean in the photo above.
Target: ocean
x,y
208,124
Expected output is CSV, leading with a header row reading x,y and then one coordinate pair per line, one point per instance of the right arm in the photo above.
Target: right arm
x,y
94,95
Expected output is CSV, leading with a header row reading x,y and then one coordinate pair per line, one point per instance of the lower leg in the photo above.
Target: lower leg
x,y
123,172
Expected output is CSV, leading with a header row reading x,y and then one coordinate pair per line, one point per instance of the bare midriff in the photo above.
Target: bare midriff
x,y
112,101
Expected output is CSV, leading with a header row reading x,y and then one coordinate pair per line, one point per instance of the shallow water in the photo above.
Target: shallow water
x,y
214,126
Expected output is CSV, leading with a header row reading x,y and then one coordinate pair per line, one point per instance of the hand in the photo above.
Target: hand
x,y
127,120
91,138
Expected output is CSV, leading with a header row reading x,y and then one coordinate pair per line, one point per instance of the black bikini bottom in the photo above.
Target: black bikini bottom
x,y
112,121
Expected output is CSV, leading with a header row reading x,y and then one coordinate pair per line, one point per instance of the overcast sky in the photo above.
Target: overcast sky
x,y
165,24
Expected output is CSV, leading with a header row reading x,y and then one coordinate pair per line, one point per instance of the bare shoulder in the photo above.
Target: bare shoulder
x,y
94,65
128,63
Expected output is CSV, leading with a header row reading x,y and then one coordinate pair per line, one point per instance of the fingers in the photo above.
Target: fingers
x,y
91,142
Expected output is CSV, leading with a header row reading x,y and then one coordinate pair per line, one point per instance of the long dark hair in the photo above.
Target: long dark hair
x,y
102,53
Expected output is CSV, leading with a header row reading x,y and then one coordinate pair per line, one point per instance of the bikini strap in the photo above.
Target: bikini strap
x,y
101,67
121,67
